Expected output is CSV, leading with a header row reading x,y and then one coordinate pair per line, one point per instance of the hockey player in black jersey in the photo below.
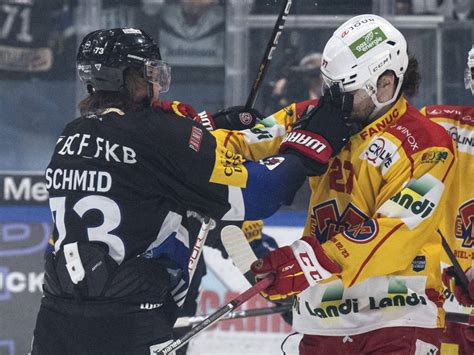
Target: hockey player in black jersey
x,y
120,181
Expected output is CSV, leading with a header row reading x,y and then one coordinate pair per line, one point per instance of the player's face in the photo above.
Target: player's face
x,y
362,106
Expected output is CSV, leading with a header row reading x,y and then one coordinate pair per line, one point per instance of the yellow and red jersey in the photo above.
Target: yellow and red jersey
x,y
375,211
458,217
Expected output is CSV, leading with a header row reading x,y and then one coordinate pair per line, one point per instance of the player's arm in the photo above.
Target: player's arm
x,y
406,216
215,181
262,140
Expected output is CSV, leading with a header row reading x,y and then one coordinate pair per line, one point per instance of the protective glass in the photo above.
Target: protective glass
x,y
158,72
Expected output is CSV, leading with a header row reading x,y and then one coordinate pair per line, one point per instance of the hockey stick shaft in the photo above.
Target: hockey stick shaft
x,y
457,268
460,318
188,321
217,315
198,246
268,55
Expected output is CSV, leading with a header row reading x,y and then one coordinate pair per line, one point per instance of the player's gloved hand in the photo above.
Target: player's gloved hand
x,y
322,131
236,118
296,267
233,118
177,107
453,284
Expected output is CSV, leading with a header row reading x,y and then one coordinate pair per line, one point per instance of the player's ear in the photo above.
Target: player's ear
x,y
386,85
386,80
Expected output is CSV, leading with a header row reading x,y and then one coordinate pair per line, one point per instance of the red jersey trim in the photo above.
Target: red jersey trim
x,y
417,133
447,171
300,107
462,114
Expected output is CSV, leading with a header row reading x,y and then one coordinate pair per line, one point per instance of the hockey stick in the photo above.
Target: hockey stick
x,y
460,318
217,315
188,321
267,57
239,250
457,268
198,246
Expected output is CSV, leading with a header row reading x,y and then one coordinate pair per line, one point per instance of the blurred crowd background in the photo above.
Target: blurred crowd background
x,y
214,48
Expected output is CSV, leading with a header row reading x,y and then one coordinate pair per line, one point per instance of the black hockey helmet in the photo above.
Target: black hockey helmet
x,y
104,55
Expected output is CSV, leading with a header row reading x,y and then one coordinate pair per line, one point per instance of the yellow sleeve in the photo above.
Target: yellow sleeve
x,y
259,142
405,219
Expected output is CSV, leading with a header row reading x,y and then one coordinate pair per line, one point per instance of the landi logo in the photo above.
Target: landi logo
x,y
415,202
367,42
412,200
333,305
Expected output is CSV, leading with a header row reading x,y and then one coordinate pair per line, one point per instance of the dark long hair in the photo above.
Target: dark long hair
x,y
98,101
411,79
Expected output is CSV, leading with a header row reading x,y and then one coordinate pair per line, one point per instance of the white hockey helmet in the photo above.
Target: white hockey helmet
x,y
360,50
469,74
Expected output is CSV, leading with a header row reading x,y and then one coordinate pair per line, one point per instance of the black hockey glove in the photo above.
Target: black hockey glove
x,y
236,118
322,131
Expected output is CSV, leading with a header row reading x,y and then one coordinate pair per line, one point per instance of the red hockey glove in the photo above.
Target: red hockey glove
x,y
233,118
178,108
296,267
322,131
453,284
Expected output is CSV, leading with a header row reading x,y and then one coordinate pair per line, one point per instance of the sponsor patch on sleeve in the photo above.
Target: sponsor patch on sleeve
x,y
434,156
272,162
415,202
195,139
229,168
419,263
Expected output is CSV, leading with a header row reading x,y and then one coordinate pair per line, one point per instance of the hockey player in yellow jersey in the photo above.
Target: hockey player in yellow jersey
x,y
366,273
457,220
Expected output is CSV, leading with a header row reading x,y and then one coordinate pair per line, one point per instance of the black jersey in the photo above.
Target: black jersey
x,y
126,181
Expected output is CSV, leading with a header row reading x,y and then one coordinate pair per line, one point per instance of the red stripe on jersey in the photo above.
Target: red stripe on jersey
x,y
447,171
462,114
394,229
417,133
227,137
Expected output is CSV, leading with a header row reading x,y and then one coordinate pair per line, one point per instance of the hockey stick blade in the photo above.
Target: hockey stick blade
x,y
183,322
217,315
239,250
